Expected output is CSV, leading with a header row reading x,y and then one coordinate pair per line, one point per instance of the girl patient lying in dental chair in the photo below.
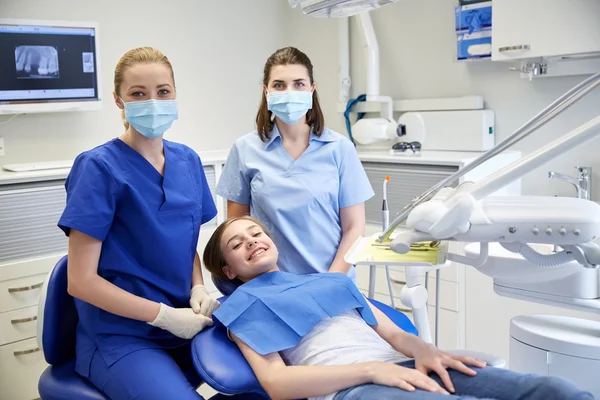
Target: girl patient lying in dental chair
x,y
316,336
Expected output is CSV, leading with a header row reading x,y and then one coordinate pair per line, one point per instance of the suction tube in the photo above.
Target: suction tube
x,y
546,261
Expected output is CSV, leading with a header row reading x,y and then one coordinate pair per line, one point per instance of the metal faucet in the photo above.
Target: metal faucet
x,y
582,181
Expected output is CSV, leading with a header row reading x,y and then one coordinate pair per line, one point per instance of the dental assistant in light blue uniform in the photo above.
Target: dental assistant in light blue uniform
x,y
302,180
133,214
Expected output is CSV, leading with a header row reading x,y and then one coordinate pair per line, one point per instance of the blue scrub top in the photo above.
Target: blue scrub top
x,y
299,200
149,227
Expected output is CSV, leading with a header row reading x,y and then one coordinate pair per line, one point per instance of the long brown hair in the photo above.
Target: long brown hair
x,y
314,116
213,258
138,56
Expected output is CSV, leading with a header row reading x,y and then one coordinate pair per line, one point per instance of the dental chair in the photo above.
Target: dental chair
x,y
57,321
221,364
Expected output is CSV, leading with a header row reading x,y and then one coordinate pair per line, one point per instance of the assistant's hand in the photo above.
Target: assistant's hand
x,y
202,302
389,374
181,322
431,359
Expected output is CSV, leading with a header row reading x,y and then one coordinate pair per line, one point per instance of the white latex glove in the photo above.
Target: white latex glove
x,y
181,322
202,302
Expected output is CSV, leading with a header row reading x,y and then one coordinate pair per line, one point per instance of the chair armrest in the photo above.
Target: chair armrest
x,y
397,317
491,361
221,364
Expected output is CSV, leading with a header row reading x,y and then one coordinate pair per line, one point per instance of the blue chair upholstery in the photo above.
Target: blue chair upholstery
x,y
231,374
56,336
57,322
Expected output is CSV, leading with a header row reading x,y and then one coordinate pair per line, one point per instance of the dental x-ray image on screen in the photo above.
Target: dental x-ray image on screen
x,y
88,62
37,62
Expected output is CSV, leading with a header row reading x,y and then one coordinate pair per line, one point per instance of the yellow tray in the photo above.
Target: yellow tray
x,y
368,251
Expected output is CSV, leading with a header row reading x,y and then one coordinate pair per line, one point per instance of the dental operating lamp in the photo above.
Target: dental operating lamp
x,y
338,8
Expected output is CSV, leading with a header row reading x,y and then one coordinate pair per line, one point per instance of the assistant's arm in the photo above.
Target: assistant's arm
x,y
354,190
353,226
236,209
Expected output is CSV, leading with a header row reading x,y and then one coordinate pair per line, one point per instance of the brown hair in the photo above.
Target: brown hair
x,y
138,56
314,116
213,258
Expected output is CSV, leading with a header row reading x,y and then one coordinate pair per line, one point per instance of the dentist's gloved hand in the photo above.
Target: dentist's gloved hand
x,y
181,322
201,302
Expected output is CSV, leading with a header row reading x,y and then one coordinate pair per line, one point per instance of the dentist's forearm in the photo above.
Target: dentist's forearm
x,y
294,382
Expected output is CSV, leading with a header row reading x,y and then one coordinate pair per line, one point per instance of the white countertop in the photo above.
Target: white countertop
x,y
8,177
219,156
424,157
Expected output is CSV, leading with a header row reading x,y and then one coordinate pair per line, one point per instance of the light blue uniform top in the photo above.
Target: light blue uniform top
x,y
299,200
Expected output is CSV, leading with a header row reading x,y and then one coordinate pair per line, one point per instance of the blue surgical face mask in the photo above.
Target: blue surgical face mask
x,y
151,117
290,105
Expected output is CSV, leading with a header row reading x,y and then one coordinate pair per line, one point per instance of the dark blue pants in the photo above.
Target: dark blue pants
x,y
149,374
489,384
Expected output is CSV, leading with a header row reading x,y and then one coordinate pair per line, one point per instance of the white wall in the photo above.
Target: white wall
x,y
217,49
417,47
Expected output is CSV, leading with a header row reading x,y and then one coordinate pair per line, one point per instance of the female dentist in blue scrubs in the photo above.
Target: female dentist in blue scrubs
x,y
133,214
303,181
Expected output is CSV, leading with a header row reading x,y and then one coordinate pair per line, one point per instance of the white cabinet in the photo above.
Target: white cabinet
x,y
526,29
30,245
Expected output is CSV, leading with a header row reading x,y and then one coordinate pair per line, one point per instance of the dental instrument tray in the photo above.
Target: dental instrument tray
x,y
369,251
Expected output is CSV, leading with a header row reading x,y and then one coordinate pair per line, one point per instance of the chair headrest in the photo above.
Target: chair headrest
x,y
57,316
225,286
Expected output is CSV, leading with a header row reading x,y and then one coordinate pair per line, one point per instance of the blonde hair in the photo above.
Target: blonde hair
x,y
139,55
213,257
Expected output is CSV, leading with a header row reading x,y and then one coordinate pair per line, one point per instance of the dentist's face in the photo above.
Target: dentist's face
x,y
145,81
247,250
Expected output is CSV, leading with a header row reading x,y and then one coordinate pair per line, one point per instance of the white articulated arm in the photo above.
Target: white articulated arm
x,y
414,296
465,214
449,212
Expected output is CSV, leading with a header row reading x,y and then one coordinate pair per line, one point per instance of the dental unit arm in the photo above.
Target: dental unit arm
x,y
518,224
465,213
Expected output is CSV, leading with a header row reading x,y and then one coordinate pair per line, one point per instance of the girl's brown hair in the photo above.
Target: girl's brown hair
x,y
314,116
135,56
213,258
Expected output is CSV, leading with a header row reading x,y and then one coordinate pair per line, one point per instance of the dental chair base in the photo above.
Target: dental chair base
x,y
557,346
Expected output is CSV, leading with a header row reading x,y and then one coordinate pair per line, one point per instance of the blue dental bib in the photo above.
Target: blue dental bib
x,y
274,311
